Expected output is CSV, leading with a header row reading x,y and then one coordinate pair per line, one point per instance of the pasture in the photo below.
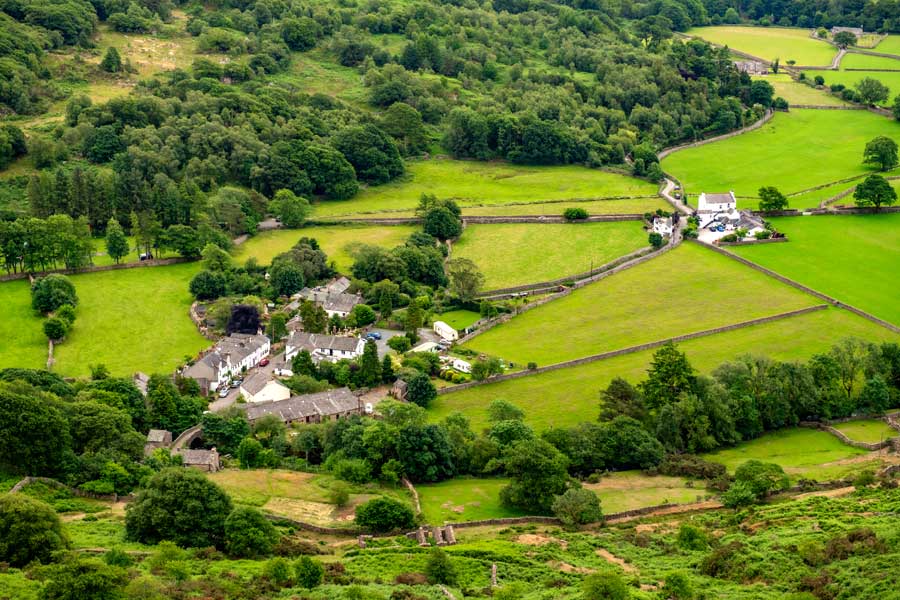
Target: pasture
x,y
867,61
131,320
569,396
780,153
335,241
463,499
628,490
851,78
24,343
769,43
889,45
806,453
473,183
458,319
687,289
799,93
870,431
851,258
633,206
519,253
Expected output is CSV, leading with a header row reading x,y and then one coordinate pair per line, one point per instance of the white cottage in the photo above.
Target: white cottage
x,y
662,226
260,387
231,356
323,347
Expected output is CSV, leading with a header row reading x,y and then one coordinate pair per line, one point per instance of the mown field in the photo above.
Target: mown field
x,y
769,43
334,240
807,453
458,319
516,253
799,93
628,490
24,343
131,320
869,430
889,45
570,396
473,184
850,79
780,154
635,206
463,499
867,61
687,289
852,258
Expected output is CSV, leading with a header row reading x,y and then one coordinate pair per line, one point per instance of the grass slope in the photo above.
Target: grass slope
x,y
24,343
781,152
570,396
463,499
688,289
799,93
852,258
131,320
633,206
629,490
867,61
334,240
515,254
458,319
769,43
473,183
868,430
850,79
889,45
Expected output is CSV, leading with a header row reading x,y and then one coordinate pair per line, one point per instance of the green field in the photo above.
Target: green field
x,y
799,93
869,430
769,43
867,61
781,153
570,396
850,78
852,258
628,490
463,499
889,45
24,343
131,320
334,240
687,289
636,206
808,453
458,319
473,183
518,253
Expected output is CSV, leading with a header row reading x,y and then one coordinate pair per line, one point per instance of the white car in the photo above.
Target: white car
x,y
369,409
223,393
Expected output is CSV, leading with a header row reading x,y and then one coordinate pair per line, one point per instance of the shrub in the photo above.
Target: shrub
x,y
692,538
116,557
678,587
725,562
577,506
51,292
29,530
354,470
780,103
762,478
55,329
864,479
339,494
384,514
308,572
689,465
399,344
248,534
605,586
439,568
739,494
292,546
575,214
66,312
731,237
763,235
656,240
279,572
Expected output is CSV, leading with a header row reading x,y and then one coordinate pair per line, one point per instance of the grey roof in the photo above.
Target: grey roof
x,y
256,382
719,198
199,457
324,404
341,302
159,436
400,385
749,220
321,341
339,285
238,345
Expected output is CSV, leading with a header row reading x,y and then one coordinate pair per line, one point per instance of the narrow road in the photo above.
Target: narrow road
x,y
678,204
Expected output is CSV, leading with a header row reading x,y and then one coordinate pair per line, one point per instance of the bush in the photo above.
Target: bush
x,y
439,569
29,530
780,103
763,235
309,572
384,514
739,494
656,240
605,586
51,292
66,312
248,534
339,494
692,538
399,344
354,470
55,329
577,506
689,465
864,479
575,214
678,587
279,572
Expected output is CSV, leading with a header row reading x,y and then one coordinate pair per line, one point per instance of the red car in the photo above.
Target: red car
x,y
264,362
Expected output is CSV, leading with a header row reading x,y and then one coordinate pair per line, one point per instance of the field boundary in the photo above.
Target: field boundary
x,y
804,288
755,125
482,219
843,437
631,349
156,262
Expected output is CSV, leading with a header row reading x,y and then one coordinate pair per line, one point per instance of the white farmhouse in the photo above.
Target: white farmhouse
x,y
445,331
662,226
260,387
323,347
231,356
716,203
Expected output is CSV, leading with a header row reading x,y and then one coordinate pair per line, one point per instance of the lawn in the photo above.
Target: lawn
x,y
799,93
518,253
473,183
781,153
629,490
851,78
334,240
567,397
769,43
458,319
131,320
807,453
463,499
24,343
852,258
687,289
869,430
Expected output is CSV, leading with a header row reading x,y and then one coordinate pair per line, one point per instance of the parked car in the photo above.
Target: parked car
x,y
373,335
369,410
264,362
223,393
145,256
284,373
236,383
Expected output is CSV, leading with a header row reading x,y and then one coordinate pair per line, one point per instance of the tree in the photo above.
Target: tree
x,y
895,108
771,199
875,191
180,505
369,374
441,223
286,278
577,506
34,434
50,292
55,328
439,569
420,390
404,123
29,530
216,259
538,472
277,326
309,572
844,39
425,453
244,319
292,210
225,430
300,34
761,477
79,578
466,280
371,152
482,369
502,410
362,315
670,374
250,453
116,242
606,586
738,494
207,285
112,62
383,515
248,534
621,398
871,91
387,368
656,240
761,92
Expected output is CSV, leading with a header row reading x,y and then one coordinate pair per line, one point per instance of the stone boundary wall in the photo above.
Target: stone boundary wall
x,y
873,53
156,262
26,481
349,531
813,212
876,70
780,240
756,125
800,286
631,349
415,495
485,220
827,107
843,437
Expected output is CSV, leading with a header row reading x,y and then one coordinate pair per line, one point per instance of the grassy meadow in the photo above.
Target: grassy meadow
x,y
851,78
628,490
687,289
518,253
631,206
473,183
570,396
458,319
463,499
24,343
867,61
335,241
889,45
799,93
869,430
769,43
781,152
851,258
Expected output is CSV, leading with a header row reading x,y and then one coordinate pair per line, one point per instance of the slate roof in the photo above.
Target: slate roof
x,y
719,198
256,382
160,436
321,341
323,404
199,457
339,285
341,302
